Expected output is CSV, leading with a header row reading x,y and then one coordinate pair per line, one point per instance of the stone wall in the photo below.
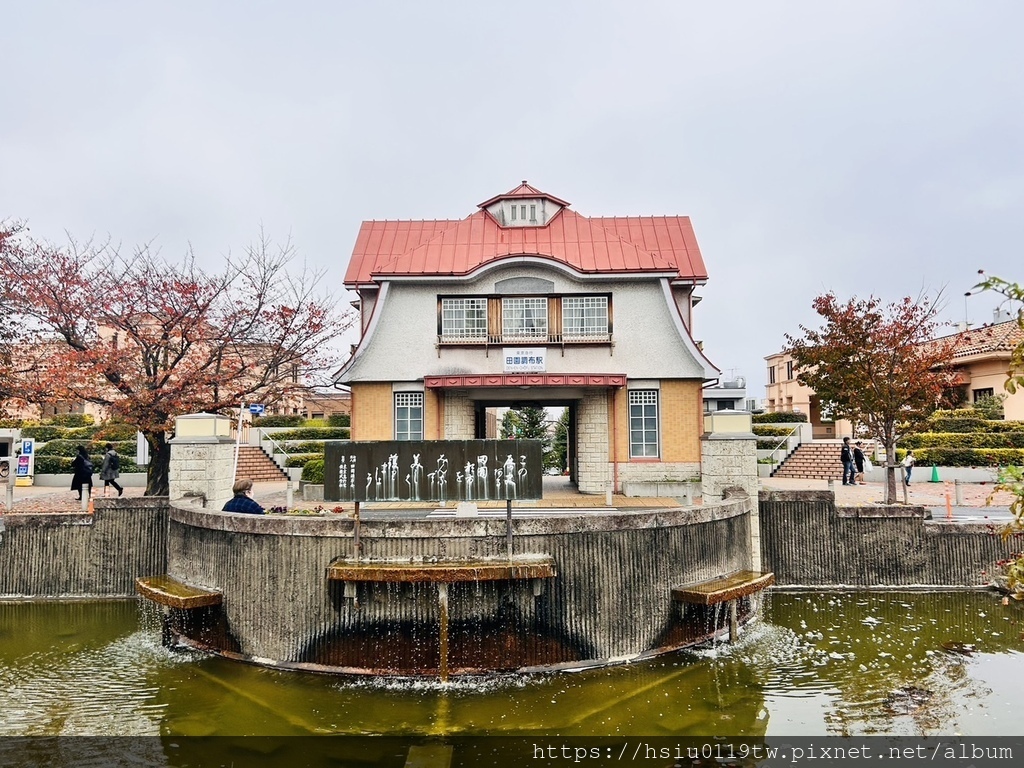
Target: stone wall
x,y
203,468
592,443
81,555
459,416
807,540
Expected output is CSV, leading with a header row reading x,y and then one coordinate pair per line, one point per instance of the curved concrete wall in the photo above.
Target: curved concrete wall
x,y
81,555
610,601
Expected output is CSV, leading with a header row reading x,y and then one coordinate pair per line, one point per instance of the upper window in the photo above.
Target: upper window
x,y
464,319
771,374
524,319
980,393
789,370
408,416
643,422
584,317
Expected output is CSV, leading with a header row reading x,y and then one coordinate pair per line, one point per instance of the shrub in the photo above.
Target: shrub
x,y
766,431
307,446
44,433
313,471
72,420
964,440
115,432
70,448
313,433
958,424
767,445
52,465
339,420
781,417
968,457
292,420
301,459
12,423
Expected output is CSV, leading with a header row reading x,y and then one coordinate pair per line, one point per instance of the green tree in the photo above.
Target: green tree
x,y
876,365
1011,479
559,454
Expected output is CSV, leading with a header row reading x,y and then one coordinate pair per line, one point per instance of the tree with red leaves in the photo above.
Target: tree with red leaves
x,y
149,340
877,366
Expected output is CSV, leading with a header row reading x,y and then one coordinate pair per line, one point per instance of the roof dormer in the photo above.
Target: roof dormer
x,y
524,206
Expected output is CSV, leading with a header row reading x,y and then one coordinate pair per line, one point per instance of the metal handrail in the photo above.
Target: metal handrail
x,y
277,446
782,442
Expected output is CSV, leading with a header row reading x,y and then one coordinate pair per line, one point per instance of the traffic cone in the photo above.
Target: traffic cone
x,y
935,474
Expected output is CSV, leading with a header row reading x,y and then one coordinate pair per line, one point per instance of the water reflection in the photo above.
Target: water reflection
x,y
840,663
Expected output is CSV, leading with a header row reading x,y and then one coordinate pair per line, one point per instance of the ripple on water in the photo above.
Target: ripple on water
x,y
94,691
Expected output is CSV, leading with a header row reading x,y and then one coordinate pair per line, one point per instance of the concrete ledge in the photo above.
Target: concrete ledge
x,y
525,567
167,591
731,587
666,489
332,525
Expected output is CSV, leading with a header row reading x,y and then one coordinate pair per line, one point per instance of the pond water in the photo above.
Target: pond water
x,y
835,663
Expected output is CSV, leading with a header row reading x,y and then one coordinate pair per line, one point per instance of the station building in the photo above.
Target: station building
x,y
526,301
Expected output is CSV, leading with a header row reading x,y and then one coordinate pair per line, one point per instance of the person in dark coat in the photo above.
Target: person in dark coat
x,y
242,502
846,457
858,460
110,469
83,469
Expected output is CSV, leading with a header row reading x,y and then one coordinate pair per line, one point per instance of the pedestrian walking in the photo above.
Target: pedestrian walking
x,y
82,468
110,469
908,466
846,457
858,462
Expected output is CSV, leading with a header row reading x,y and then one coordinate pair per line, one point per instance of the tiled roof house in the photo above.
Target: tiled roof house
x,y
527,301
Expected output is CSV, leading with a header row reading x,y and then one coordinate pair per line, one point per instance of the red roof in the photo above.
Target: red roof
x,y
620,244
989,339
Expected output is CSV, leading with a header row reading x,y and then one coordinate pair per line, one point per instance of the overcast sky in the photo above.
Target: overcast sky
x,y
860,147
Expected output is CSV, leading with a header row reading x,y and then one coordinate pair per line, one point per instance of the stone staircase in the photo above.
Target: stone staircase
x,y
817,460
255,464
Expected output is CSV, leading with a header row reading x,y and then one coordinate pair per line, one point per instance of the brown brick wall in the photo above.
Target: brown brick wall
x,y
681,420
373,410
681,414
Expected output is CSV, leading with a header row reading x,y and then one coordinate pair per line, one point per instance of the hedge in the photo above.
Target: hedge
x,y
114,432
964,440
968,457
305,446
301,459
292,420
339,420
782,417
765,431
313,471
965,424
72,420
61,465
768,445
70,448
313,433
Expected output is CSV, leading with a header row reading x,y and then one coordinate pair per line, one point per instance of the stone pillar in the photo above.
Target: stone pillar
x,y
202,459
459,416
592,443
729,463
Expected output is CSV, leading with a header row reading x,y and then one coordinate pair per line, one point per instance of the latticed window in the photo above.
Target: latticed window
x,y
524,319
408,416
464,319
643,422
585,317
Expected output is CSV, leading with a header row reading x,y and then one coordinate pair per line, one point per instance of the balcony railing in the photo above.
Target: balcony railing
x,y
523,338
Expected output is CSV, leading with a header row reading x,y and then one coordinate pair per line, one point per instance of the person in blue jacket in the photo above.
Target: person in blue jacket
x,y
242,501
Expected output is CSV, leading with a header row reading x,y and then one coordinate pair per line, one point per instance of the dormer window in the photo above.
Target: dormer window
x,y
524,206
